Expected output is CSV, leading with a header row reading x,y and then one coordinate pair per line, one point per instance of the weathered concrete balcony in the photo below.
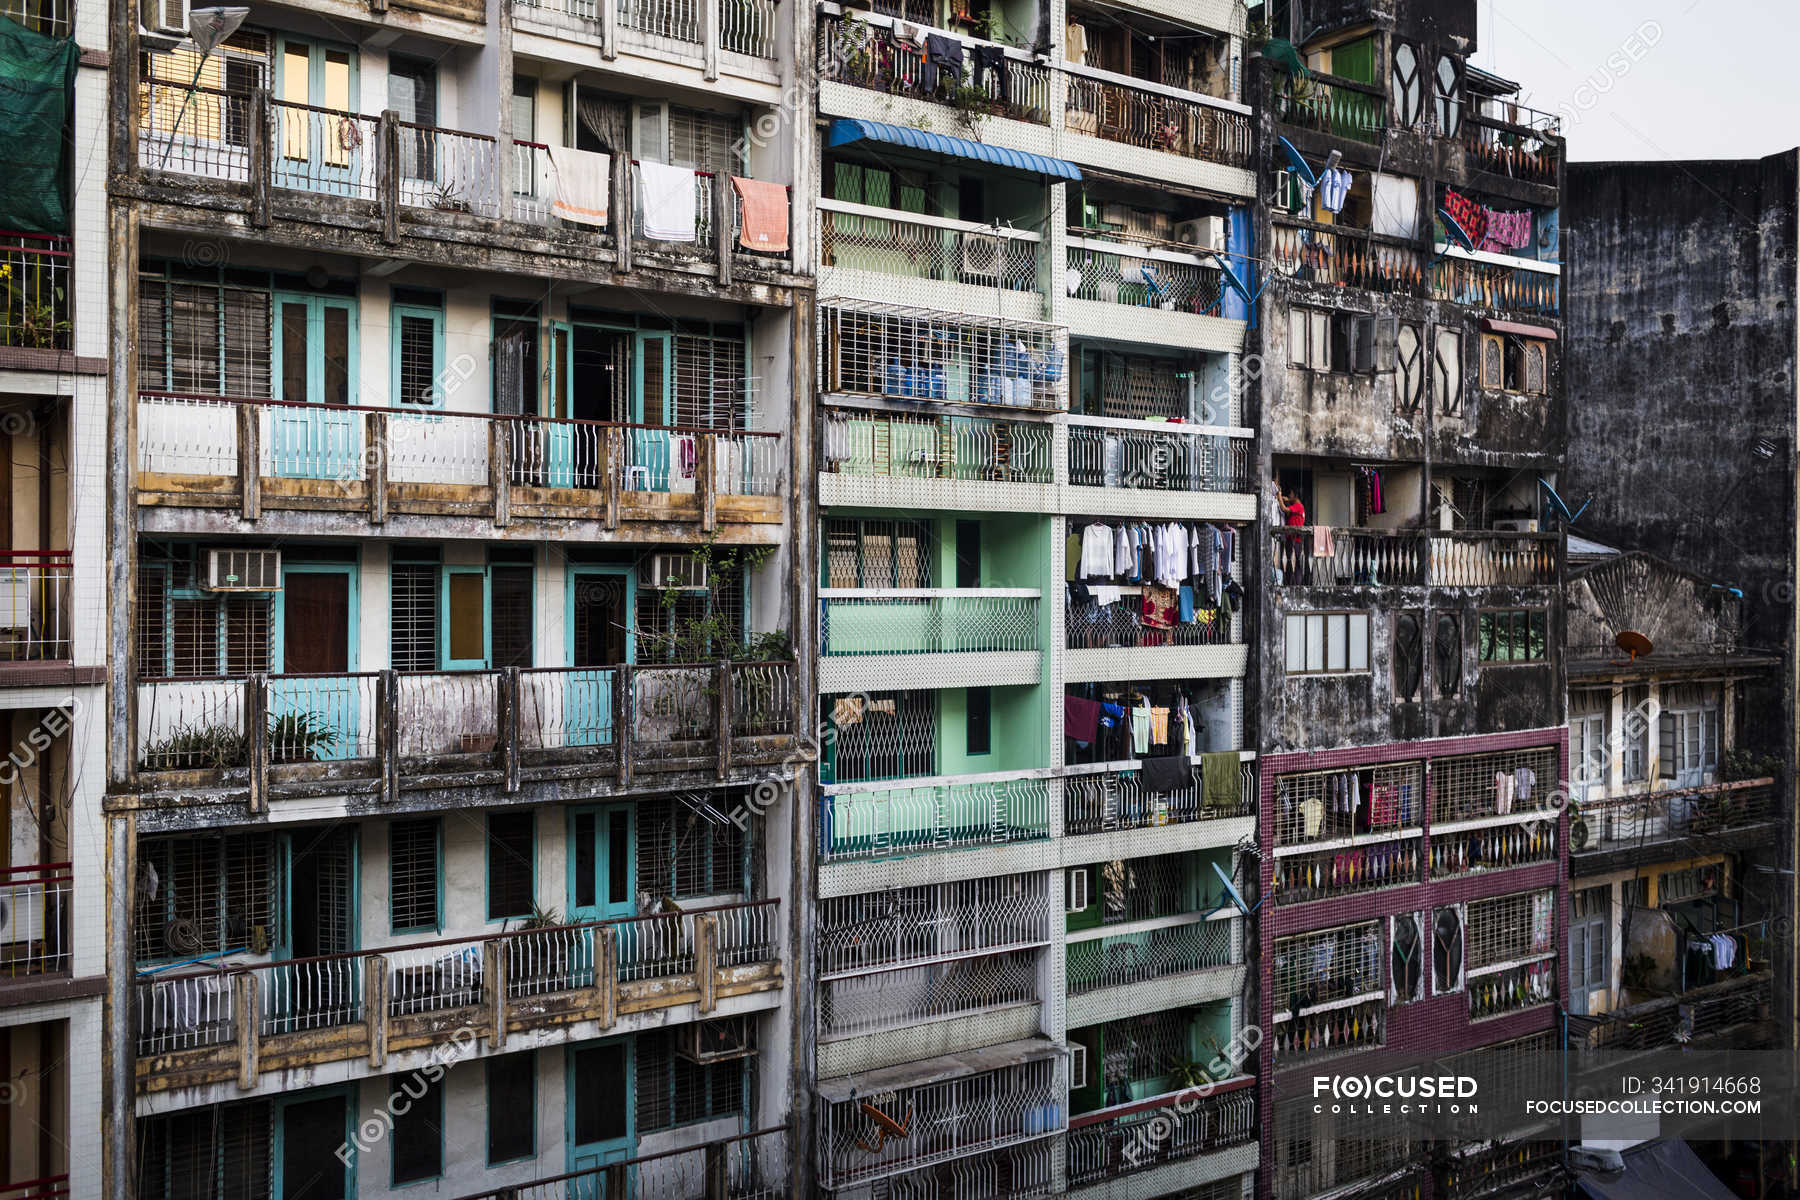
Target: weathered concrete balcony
x,y
1722,1011
1329,104
1614,832
1514,141
1156,1134
216,464
1308,252
959,1105
1137,292
1113,959
253,1022
751,1166
223,163
404,739
929,637
1470,558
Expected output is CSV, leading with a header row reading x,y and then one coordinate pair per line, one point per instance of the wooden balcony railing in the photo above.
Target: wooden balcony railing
x,y
1514,141
1495,282
1319,254
240,1021
374,731
214,451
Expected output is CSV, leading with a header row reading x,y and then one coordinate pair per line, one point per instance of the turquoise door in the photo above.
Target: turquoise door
x,y
310,1129
318,917
652,450
315,705
560,437
315,365
602,866
320,145
601,601
601,1105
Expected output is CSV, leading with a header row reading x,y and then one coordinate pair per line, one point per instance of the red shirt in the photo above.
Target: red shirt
x,y
1296,513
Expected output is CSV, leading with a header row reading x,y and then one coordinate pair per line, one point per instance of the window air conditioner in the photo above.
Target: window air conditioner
x,y
22,914
706,1042
1204,233
163,24
674,572
236,570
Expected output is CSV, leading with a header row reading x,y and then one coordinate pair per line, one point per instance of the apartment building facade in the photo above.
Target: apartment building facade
x,y
53,325
1410,680
1035,505
453,718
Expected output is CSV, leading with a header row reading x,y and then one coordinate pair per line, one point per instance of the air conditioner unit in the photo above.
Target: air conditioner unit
x,y
1516,525
163,24
22,914
715,1041
1077,1066
236,570
980,257
674,572
1205,233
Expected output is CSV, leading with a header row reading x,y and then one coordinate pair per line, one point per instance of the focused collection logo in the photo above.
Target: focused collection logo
x,y
1403,1095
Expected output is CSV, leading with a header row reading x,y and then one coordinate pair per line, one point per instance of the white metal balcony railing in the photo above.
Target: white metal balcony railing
x,y
908,446
203,435
34,606
1114,272
928,620
1158,456
186,1009
948,1119
1110,957
910,995
38,900
879,349
1138,1136
889,818
885,241
204,724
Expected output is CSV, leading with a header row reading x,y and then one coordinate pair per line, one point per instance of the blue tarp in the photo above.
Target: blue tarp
x,y
844,132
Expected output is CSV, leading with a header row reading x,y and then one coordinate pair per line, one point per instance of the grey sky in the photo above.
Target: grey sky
x,y
1709,78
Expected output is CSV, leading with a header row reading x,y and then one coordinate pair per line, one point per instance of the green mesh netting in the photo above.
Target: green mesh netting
x,y
37,78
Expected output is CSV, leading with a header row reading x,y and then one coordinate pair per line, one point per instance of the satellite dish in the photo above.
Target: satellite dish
x,y
1634,643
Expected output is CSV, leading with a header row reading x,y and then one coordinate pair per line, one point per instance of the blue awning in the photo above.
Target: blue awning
x,y
844,132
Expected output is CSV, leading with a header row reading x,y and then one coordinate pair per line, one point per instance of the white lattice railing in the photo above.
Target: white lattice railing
x,y
931,923
914,816
927,620
1107,957
872,349
949,1119
1158,456
885,241
1142,276
912,446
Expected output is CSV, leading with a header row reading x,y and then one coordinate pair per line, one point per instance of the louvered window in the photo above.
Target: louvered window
x,y
413,615
672,1091
204,338
184,633
220,1152
413,875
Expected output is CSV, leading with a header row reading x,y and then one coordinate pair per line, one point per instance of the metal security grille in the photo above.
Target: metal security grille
x,y
1511,928
1143,1047
1334,964
203,895
1017,1173
196,635
1309,1161
712,385
882,735
418,360
887,999
1133,889
673,624
919,924
1140,387
878,554
690,847
1104,962
672,1091
216,1153
413,609
908,353
413,874
1488,785
208,339
1330,805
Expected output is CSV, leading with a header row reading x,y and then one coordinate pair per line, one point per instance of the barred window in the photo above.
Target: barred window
x,y
878,554
416,335
203,895
712,386
1511,928
670,620
672,1090
220,1152
1333,964
413,866
206,338
413,612
881,735
1492,785
1513,635
184,633
689,848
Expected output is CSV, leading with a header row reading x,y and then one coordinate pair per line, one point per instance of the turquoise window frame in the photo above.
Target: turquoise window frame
x,y
396,314
278,1148
434,1087
315,306
487,1083
575,575
438,834
278,617
445,662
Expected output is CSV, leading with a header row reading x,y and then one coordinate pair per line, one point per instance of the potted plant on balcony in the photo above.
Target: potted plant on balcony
x,y
299,737
533,957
